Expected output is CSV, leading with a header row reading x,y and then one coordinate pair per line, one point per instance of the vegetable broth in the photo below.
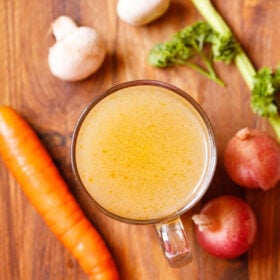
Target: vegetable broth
x,y
141,152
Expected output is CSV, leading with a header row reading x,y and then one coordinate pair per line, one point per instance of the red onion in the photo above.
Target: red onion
x,y
252,159
226,227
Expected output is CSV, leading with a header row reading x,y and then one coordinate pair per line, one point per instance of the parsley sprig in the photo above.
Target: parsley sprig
x,y
191,42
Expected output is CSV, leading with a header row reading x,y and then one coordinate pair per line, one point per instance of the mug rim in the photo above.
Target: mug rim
x,y
206,177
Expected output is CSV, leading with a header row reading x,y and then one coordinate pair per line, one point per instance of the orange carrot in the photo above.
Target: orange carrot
x,y
34,170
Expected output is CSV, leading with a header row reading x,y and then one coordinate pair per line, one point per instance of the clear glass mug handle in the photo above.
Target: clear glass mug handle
x,y
174,242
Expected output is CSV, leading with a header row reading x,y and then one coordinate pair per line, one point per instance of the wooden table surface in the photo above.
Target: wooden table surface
x,y
29,251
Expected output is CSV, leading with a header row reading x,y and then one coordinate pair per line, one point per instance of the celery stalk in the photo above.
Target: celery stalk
x,y
215,20
267,85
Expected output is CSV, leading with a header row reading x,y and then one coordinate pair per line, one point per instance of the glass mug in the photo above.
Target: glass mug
x,y
145,153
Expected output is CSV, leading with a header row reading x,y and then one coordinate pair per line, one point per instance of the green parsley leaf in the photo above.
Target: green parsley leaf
x,y
170,53
263,98
225,48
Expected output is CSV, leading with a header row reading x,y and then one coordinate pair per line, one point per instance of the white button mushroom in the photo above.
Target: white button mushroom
x,y
140,12
78,51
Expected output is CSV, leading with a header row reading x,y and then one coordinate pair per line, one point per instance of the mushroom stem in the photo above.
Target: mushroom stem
x,y
63,26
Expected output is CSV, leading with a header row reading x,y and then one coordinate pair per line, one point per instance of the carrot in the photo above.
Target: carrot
x,y
31,165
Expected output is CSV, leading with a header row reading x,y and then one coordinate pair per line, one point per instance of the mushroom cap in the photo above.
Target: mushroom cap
x,y
141,12
77,55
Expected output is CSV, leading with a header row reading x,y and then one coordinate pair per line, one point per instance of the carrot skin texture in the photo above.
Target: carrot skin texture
x,y
34,170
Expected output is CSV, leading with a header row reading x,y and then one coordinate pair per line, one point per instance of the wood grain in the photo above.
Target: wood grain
x,y
28,249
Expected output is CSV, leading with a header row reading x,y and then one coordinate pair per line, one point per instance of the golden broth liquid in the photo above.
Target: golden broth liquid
x,y
141,152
